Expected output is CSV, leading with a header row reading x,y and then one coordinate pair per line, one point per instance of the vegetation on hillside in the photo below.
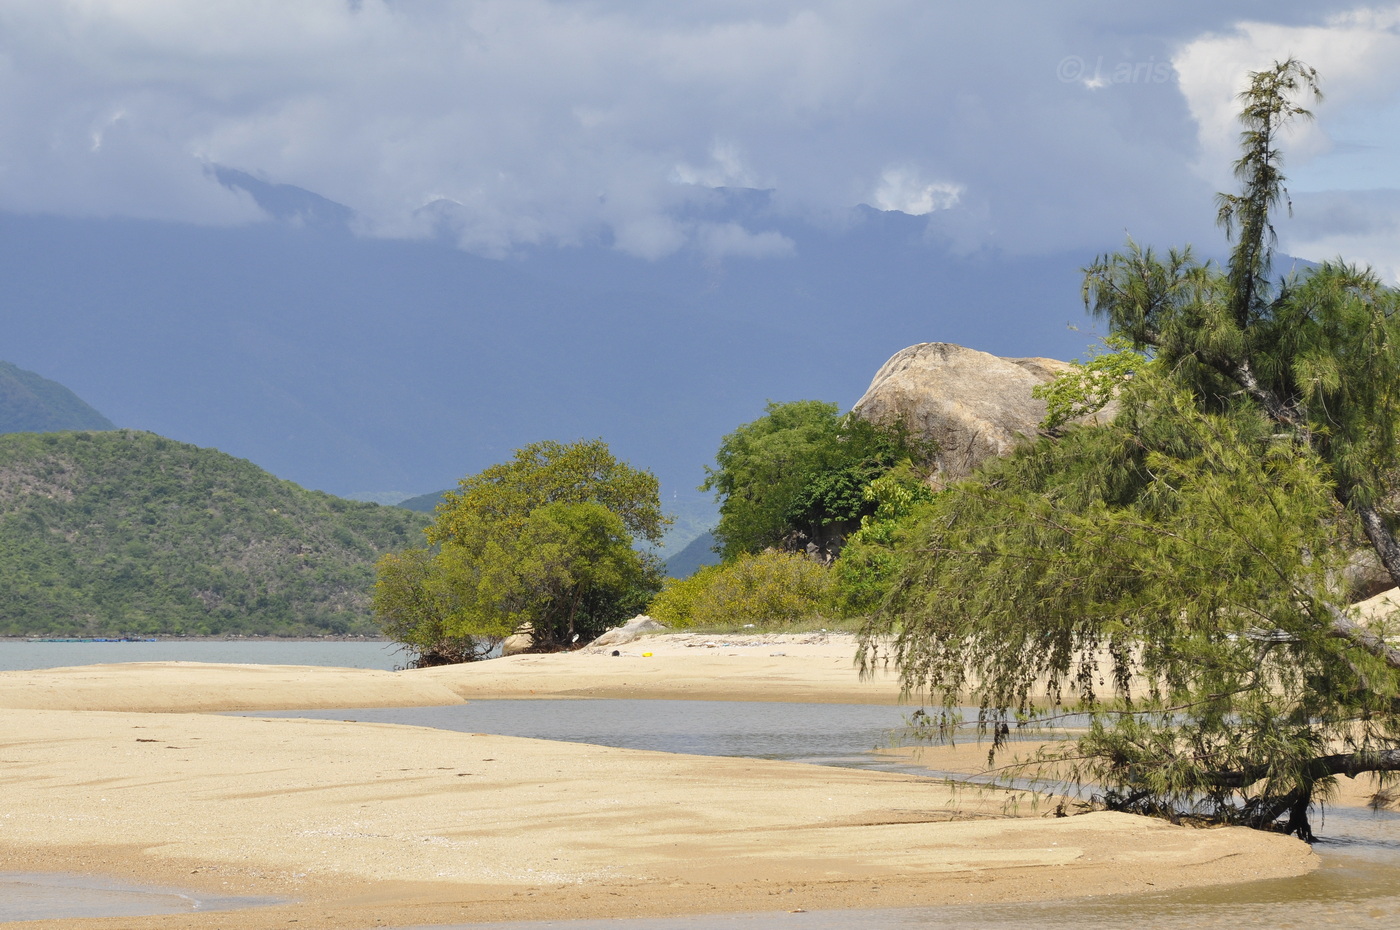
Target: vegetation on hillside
x,y
30,403
544,540
128,533
1175,575
424,503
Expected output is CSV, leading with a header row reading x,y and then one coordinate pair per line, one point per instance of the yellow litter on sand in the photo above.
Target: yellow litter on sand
x,y
646,655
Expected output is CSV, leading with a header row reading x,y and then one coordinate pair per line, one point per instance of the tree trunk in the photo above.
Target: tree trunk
x,y
1381,538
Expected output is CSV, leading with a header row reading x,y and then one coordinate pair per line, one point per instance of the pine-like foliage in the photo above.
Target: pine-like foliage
x,y
1174,576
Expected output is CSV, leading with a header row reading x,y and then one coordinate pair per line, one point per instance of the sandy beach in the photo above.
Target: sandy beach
x,y
117,770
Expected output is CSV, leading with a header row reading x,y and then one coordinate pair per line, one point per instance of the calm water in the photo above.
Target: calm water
x,y
42,896
17,655
826,734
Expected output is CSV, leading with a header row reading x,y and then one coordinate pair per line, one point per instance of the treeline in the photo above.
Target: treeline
x,y
109,533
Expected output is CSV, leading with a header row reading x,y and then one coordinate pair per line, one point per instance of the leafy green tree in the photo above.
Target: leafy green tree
x,y
416,596
801,468
544,540
548,473
1175,574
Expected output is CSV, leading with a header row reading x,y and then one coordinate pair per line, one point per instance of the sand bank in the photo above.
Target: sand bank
x,y
366,823
683,666
200,686
362,824
779,667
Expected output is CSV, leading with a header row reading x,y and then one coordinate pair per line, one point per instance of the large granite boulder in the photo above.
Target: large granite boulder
x,y
970,404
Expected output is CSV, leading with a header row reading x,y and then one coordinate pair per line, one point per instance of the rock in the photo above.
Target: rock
x,y
628,631
970,404
522,640
1364,576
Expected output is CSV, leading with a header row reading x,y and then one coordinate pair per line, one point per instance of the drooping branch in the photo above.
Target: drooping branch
x,y
1350,764
1344,628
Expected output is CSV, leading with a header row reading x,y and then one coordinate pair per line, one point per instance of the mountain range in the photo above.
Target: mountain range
x,y
385,368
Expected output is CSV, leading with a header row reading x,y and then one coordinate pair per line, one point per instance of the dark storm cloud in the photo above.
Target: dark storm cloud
x,y
1026,125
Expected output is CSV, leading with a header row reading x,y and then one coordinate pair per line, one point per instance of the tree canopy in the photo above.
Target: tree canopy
x,y
545,540
798,473
1174,575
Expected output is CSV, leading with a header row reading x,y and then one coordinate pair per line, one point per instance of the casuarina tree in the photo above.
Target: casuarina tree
x,y
1176,576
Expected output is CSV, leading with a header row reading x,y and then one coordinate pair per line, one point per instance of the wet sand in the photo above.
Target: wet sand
x,y
362,824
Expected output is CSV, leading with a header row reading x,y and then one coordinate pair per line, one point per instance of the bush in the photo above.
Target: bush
x,y
768,589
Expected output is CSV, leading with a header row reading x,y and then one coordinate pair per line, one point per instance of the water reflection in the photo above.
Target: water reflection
x,y
19,655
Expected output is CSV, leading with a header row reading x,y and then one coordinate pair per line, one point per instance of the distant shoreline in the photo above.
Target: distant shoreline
x,y
60,638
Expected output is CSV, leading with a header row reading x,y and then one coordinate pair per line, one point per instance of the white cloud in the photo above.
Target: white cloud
x,y
725,168
1359,62
720,240
546,121
1352,143
903,189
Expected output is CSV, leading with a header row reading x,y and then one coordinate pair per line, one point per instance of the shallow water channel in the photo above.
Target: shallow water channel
x,y
1358,886
49,896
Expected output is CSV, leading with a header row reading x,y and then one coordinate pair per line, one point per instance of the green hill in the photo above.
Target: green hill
x,y
32,404
110,533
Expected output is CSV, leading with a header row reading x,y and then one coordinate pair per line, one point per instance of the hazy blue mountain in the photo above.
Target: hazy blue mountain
x,y
286,202
699,552
30,403
423,503
352,364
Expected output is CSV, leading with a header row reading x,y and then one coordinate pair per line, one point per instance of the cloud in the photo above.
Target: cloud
x,y
1336,162
719,240
1359,227
512,123
903,189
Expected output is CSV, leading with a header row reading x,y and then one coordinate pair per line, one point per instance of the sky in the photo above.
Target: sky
x,y
552,230
516,124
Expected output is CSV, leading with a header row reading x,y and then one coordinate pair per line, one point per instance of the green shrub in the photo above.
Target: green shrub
x,y
768,589
875,554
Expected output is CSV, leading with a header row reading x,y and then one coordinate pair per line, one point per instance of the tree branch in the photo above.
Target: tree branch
x,y
1344,628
